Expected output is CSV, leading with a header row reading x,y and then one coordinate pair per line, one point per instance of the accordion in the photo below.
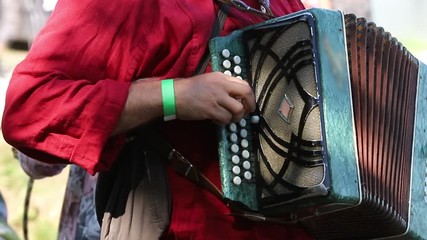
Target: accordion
x,y
338,141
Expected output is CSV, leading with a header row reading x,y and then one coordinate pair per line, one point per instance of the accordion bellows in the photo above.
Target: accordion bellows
x,y
340,144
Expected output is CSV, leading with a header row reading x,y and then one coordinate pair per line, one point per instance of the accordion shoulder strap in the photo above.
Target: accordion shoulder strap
x,y
216,30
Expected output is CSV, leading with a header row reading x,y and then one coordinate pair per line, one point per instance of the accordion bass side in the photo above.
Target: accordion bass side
x,y
338,141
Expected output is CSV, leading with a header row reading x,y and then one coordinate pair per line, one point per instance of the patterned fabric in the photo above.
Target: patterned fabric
x,y
78,217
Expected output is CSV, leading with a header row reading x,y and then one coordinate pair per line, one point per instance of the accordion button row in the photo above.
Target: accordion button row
x,y
238,180
226,54
238,135
239,143
228,66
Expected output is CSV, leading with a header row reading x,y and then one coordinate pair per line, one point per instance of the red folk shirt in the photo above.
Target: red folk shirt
x,y
66,97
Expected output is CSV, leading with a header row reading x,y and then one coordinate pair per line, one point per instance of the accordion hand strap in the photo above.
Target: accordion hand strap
x,y
183,166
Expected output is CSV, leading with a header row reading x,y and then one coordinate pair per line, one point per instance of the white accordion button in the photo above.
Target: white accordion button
x,y
244,143
236,170
237,70
237,180
247,175
239,77
232,127
233,137
245,154
255,119
243,133
226,64
246,165
242,122
228,73
237,59
235,148
225,53
235,159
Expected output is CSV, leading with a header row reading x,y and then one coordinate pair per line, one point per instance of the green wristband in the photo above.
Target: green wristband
x,y
168,98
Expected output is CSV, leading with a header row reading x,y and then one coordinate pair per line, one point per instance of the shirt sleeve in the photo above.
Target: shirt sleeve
x,y
66,97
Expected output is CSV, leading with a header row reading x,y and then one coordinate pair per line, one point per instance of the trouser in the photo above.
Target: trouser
x,y
133,198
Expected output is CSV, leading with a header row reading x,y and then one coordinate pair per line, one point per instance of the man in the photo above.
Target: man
x,y
97,71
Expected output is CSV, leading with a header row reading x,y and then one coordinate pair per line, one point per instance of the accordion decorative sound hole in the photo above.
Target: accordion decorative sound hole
x,y
290,152
339,140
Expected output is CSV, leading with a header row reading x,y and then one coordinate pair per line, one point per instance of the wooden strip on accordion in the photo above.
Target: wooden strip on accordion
x,y
384,81
291,152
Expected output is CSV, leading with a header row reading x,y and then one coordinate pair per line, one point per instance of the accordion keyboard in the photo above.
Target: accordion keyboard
x,y
241,166
240,137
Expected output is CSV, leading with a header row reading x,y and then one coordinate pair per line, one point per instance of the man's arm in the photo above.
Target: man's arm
x,y
211,96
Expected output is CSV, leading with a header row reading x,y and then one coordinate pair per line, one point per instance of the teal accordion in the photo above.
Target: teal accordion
x,y
338,141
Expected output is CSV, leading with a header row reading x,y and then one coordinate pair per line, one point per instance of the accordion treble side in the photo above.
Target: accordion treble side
x,y
339,136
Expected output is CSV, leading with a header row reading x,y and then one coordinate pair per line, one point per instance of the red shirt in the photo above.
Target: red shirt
x,y
66,97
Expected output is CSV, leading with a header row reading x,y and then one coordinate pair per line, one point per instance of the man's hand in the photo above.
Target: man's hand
x,y
213,96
